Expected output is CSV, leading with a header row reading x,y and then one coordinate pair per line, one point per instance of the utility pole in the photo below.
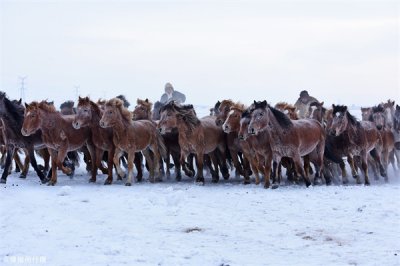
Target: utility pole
x,y
22,88
76,91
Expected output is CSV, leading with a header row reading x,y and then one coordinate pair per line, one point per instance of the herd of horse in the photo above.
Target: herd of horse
x,y
255,140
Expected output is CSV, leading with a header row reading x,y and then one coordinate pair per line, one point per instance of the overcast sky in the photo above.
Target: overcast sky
x,y
340,51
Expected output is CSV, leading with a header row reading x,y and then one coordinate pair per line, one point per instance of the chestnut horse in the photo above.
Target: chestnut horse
x,y
12,115
289,138
196,136
357,138
133,136
378,117
58,135
287,109
232,125
89,115
232,142
396,132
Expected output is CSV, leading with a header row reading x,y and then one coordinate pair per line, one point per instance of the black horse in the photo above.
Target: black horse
x,y
12,116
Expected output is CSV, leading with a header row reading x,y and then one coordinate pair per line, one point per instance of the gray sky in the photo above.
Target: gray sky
x,y
340,51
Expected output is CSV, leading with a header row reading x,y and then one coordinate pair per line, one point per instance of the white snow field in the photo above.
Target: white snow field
x,y
170,223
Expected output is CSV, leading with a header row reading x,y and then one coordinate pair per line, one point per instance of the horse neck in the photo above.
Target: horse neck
x,y
11,128
50,120
96,117
119,127
273,125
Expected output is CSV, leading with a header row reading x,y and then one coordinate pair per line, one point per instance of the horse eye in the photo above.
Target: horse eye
x,y
85,110
261,114
109,112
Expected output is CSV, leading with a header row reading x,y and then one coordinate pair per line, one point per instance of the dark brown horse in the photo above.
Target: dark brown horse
x,y
289,138
196,136
396,132
89,115
143,110
12,115
58,135
357,138
133,136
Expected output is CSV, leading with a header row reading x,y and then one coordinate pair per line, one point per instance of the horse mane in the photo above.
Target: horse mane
x,y
378,109
227,102
124,100
217,104
16,111
246,113
238,106
146,103
283,120
44,105
186,112
86,101
281,105
118,103
343,109
101,102
67,104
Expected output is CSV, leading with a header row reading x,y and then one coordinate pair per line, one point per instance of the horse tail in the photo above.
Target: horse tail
x,y
161,145
328,152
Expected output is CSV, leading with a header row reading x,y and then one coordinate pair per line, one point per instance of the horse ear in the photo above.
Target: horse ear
x,y
333,106
397,107
345,109
255,103
147,100
26,105
218,103
20,101
322,103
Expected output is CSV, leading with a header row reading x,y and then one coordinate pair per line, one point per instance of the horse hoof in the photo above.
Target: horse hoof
x,y
178,178
308,183
317,181
128,184
44,180
214,180
367,184
3,181
226,176
22,176
200,180
266,186
51,183
246,182
274,186
108,181
92,180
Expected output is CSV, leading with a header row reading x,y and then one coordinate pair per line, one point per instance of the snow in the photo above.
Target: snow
x,y
170,223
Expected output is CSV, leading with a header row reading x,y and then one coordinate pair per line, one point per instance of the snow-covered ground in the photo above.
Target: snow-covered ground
x,y
170,223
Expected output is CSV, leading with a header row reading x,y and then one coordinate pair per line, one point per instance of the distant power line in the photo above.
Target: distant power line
x,y
22,88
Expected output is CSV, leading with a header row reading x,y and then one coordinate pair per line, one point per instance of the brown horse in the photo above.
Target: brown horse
x,y
289,138
365,113
378,117
57,133
89,115
232,125
142,110
232,141
287,109
196,136
133,136
357,138
389,113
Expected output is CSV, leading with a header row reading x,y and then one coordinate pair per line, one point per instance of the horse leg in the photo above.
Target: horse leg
x,y
267,171
300,169
375,155
246,165
9,157
53,157
235,158
148,155
120,173
110,156
156,162
41,175
178,174
214,173
139,165
364,166
354,173
254,168
199,165
167,163
274,173
185,166
18,164
131,159
25,166
221,156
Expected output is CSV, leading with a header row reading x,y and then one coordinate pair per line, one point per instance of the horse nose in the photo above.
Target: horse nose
x,y
241,137
379,127
226,127
160,130
252,130
101,123
23,131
